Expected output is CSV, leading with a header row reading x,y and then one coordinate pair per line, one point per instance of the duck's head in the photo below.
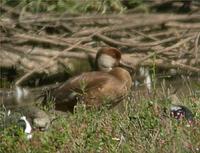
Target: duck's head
x,y
107,58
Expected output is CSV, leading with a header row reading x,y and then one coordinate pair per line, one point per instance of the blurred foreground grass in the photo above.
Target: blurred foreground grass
x,y
134,126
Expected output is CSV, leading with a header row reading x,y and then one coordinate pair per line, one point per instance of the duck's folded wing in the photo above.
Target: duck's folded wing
x,y
77,86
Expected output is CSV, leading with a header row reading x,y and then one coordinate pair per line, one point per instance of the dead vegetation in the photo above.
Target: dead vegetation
x,y
44,43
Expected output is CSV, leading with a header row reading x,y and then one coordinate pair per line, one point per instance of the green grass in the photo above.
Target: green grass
x,y
139,126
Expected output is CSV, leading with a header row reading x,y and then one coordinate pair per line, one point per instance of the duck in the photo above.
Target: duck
x,y
108,84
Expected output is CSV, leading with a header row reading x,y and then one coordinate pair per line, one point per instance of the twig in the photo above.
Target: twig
x,y
51,40
115,43
196,49
140,46
138,35
161,19
39,39
166,64
44,66
186,67
167,48
183,25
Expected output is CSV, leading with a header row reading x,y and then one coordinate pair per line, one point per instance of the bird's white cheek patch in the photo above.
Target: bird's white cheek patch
x,y
106,61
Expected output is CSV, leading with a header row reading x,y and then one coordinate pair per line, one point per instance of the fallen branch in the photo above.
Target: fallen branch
x,y
38,40
167,48
185,67
51,41
44,66
183,25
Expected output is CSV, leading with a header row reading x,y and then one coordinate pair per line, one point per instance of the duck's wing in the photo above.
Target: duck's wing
x,y
79,85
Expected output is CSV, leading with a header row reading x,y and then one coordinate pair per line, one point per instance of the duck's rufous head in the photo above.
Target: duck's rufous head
x,y
108,58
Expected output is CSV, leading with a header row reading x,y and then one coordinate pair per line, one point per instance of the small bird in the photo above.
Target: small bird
x,y
109,84
179,112
38,118
14,119
26,126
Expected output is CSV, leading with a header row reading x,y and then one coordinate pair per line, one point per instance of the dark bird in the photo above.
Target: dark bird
x,y
179,112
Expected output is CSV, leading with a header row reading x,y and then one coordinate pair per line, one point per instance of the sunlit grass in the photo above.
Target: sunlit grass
x,y
135,126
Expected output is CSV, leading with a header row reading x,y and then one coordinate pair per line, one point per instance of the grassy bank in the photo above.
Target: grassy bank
x,y
138,126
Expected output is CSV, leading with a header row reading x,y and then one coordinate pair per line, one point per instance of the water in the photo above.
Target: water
x,y
161,83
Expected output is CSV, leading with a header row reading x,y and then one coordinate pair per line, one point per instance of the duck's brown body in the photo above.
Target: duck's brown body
x,y
109,83
93,89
